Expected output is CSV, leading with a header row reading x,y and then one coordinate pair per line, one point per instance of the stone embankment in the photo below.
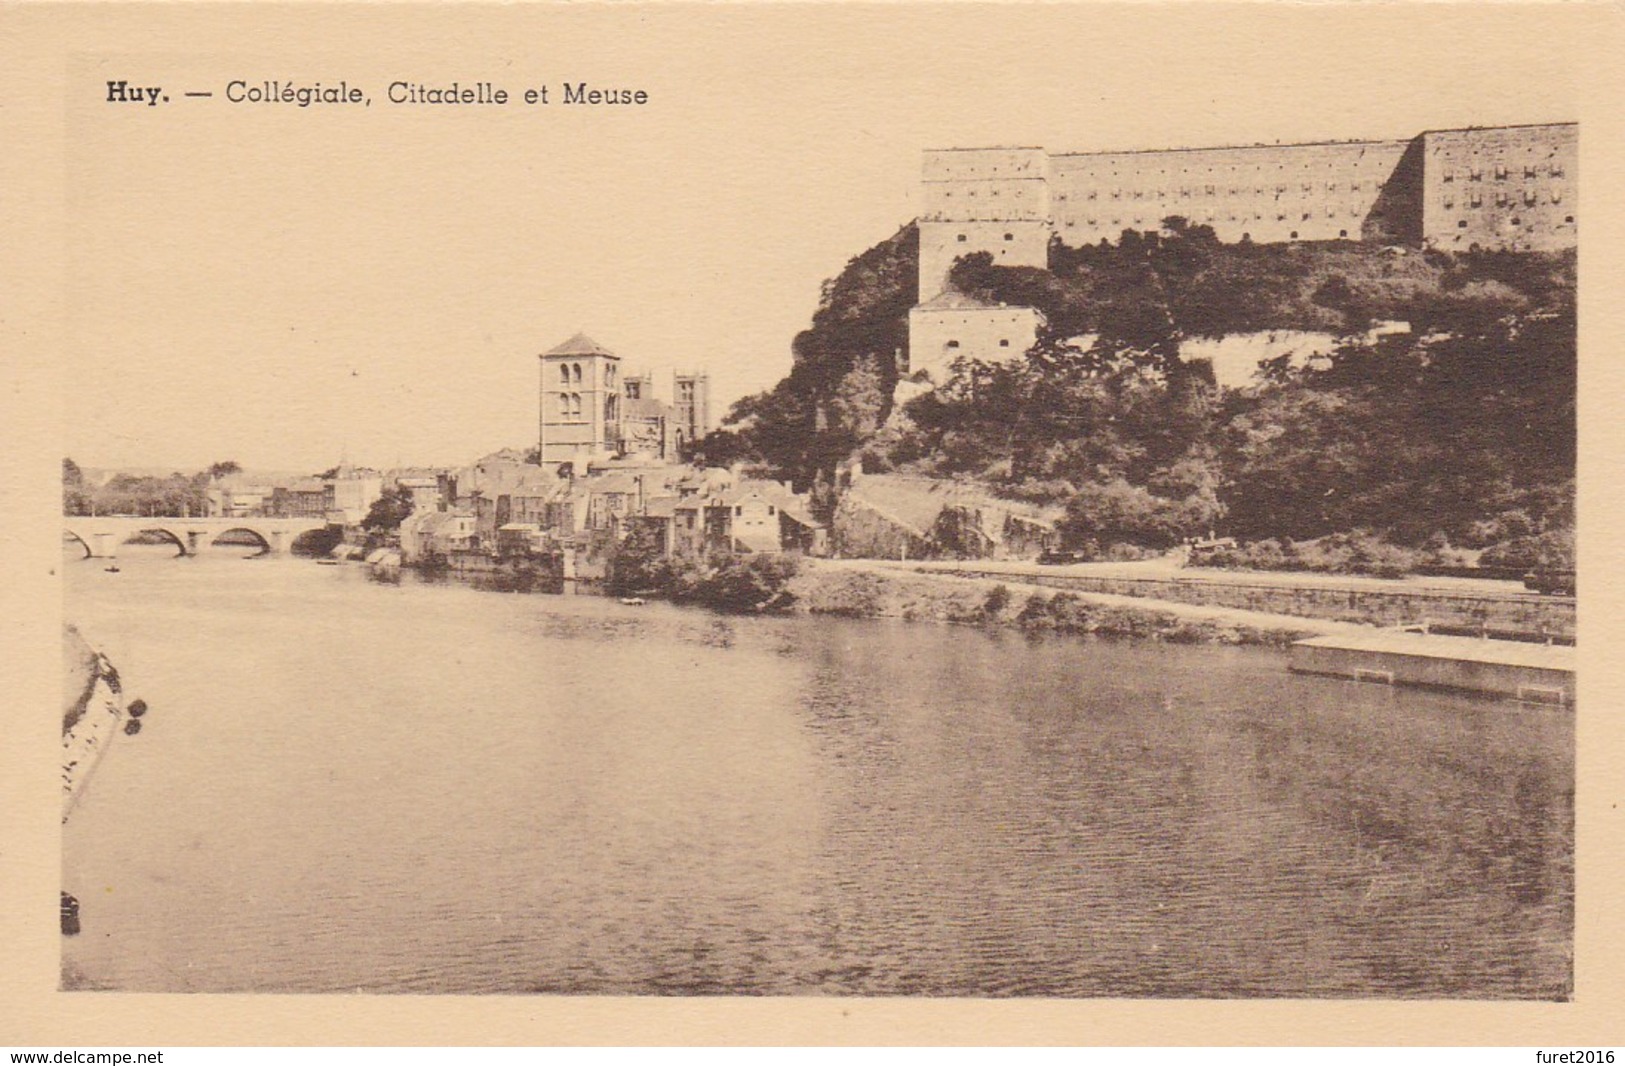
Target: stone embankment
x,y
1365,601
874,589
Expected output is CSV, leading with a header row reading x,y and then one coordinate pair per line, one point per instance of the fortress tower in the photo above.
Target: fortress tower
x,y
993,200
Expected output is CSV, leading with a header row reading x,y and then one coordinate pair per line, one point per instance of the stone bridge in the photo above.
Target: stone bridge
x,y
101,536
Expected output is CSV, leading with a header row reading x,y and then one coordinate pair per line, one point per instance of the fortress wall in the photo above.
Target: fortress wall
x,y
993,334
1507,187
1265,194
1010,242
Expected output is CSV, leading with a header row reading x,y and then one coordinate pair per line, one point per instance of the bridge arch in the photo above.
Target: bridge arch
x,y
71,534
168,534
258,535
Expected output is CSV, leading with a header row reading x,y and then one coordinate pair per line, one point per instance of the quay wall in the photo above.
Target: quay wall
x,y
1554,615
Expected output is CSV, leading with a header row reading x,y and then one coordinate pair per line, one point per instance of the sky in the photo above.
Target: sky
x,y
287,287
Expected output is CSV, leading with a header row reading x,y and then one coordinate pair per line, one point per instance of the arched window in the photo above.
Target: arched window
x,y
564,373
575,372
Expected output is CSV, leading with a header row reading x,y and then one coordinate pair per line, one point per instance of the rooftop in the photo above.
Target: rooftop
x,y
580,344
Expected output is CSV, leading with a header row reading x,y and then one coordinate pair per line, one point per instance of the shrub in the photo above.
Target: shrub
x,y
751,583
998,598
1552,550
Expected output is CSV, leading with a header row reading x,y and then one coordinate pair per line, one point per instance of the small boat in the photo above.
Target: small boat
x,y
633,601
111,569
327,562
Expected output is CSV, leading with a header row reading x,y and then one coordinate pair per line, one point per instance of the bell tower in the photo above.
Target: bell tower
x,y
580,401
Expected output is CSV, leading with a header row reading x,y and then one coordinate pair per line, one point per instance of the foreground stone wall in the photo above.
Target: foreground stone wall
x,y
1553,615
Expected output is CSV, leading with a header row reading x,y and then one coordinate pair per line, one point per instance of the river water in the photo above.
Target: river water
x,y
425,787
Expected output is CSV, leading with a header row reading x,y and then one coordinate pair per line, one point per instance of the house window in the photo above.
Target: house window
x,y
1342,233
961,238
1568,218
1009,236
1004,344
1461,223
1294,235
564,373
951,344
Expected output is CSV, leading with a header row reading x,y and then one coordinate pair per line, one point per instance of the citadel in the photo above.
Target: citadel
x,y
1482,188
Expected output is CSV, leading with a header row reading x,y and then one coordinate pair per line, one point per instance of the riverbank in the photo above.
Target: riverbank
x,y
873,589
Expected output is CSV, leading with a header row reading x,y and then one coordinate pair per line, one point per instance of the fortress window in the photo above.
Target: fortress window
x,y
1009,236
1461,223
951,344
1568,218
1343,233
1528,171
1449,176
1475,175
961,238
1516,221
1294,235
1004,344
1557,170
1305,217
1500,172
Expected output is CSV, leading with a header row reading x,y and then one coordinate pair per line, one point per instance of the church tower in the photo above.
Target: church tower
x,y
580,402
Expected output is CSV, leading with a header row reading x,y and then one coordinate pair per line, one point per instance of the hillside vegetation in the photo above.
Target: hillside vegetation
x,y
1458,434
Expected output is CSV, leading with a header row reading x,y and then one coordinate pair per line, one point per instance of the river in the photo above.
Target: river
x,y
425,787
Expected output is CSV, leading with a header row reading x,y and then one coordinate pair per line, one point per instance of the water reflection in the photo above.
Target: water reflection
x,y
432,788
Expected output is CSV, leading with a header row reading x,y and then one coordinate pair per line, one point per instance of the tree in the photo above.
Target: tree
x,y
388,511
224,469
75,499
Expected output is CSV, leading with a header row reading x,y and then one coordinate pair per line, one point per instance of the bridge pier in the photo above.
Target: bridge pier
x,y
104,545
196,541
279,541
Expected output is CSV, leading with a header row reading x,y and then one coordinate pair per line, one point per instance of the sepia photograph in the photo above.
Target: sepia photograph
x,y
924,502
